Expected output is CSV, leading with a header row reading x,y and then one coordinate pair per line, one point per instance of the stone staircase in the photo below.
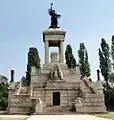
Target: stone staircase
x,y
86,88
56,110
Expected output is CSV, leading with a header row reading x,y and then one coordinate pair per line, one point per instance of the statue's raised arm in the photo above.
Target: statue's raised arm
x,y
54,17
50,10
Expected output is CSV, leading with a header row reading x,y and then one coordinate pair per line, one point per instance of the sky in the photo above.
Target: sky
x,y
22,23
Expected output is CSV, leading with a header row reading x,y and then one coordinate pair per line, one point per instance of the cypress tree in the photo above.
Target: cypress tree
x,y
83,61
112,50
4,85
33,60
87,65
105,62
70,60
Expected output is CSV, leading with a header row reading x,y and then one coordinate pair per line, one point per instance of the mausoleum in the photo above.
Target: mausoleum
x,y
55,88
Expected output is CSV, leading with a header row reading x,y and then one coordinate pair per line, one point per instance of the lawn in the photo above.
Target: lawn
x,y
109,115
13,117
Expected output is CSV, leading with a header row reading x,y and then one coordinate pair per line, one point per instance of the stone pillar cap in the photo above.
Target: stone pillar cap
x,y
51,31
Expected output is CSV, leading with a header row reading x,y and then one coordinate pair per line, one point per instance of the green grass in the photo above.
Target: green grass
x,y
108,115
13,117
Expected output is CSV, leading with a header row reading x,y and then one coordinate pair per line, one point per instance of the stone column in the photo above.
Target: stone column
x,y
61,52
46,52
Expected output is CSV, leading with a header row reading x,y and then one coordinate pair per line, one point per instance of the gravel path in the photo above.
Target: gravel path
x,y
65,117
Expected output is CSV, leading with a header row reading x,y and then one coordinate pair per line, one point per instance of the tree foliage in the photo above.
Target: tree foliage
x,y
112,50
109,99
111,77
83,61
87,65
105,62
3,92
33,60
70,60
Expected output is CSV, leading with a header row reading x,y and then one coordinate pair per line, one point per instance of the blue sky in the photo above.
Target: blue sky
x,y
22,23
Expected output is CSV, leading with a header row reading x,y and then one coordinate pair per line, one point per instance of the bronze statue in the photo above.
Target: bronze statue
x,y
54,17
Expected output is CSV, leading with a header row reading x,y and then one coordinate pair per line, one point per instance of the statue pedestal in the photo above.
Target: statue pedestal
x,y
54,38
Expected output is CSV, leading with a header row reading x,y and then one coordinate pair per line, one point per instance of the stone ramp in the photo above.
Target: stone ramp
x,y
65,117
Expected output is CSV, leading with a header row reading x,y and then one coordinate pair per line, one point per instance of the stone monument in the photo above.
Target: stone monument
x,y
55,86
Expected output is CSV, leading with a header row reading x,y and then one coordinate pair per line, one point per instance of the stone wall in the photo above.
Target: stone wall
x,y
68,92
94,103
63,97
91,100
20,104
11,92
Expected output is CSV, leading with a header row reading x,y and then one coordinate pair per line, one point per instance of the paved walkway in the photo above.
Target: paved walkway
x,y
65,117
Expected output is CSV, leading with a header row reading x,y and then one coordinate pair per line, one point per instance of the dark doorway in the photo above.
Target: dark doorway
x,y
56,98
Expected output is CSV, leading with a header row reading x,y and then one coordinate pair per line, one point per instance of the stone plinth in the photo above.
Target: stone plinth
x,y
20,104
62,66
53,35
39,107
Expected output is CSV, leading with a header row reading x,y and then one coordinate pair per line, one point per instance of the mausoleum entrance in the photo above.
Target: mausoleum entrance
x,y
56,98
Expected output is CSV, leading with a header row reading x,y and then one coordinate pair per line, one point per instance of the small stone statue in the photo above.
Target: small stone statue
x,y
79,101
56,73
54,17
54,57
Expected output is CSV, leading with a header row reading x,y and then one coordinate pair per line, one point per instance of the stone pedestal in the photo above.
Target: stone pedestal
x,y
54,38
39,107
63,67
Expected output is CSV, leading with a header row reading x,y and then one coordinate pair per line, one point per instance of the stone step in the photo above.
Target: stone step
x,y
93,104
56,110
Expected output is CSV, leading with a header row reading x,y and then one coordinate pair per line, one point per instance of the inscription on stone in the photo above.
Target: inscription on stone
x,y
54,37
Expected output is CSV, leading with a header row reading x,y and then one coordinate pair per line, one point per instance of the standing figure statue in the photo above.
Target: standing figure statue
x,y
54,17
